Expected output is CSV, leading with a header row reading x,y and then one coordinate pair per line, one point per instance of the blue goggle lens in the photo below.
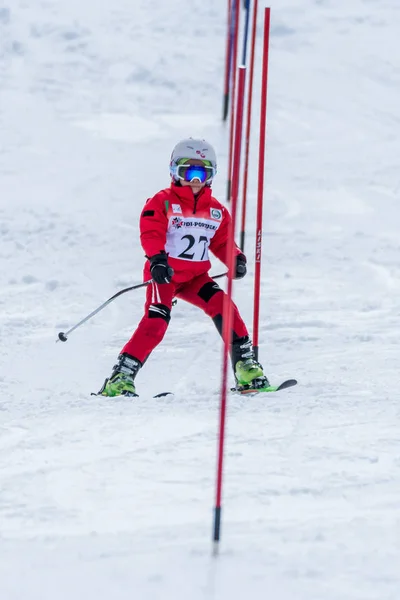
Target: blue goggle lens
x,y
192,172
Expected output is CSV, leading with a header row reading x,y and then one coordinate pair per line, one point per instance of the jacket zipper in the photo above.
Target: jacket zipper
x,y
196,198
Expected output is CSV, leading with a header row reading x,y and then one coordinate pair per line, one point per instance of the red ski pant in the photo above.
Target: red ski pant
x,y
202,291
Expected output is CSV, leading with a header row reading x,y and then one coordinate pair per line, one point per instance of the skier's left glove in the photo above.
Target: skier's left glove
x,y
241,268
160,270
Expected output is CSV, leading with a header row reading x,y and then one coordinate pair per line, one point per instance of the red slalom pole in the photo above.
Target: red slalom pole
x,y
248,126
228,63
236,12
261,167
227,310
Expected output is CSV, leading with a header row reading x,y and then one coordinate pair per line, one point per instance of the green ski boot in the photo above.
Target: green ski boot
x,y
122,380
249,374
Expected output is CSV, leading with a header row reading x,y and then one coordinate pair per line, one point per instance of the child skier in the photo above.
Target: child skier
x,y
178,226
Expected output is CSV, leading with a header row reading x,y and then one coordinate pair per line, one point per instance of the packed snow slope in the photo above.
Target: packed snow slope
x,y
105,499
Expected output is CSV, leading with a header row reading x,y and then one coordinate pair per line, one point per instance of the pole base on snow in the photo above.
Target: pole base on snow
x,y
242,233
228,190
226,107
217,529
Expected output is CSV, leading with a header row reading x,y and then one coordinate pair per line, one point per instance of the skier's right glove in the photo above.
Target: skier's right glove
x,y
160,270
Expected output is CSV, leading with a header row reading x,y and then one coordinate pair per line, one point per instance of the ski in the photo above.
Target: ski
x,y
123,395
130,395
241,391
248,391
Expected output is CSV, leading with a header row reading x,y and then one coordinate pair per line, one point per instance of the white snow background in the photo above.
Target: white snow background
x,y
105,499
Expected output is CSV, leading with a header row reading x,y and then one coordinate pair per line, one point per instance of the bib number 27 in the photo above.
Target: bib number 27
x,y
196,245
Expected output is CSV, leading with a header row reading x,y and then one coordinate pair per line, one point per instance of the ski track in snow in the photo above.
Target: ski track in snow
x,y
103,499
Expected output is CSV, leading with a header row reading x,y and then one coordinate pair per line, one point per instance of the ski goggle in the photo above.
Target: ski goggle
x,y
202,173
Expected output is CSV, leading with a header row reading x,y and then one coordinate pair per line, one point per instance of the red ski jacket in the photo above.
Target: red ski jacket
x,y
186,227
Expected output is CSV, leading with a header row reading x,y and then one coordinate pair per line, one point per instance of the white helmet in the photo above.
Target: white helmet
x,y
191,148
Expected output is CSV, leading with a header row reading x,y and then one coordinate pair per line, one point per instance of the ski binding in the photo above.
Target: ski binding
x,y
244,390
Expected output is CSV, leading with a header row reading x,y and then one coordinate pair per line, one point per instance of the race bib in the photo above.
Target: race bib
x,y
188,238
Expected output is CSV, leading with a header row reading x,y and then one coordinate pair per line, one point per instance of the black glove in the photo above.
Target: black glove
x,y
241,268
160,270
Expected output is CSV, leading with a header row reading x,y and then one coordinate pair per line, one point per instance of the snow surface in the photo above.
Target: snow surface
x,y
113,499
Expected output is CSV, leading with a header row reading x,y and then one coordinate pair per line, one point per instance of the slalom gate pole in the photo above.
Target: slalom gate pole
x,y
246,31
261,167
228,61
228,308
248,126
236,16
63,337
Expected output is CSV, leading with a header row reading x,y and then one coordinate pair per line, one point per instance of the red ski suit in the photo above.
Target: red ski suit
x,y
186,227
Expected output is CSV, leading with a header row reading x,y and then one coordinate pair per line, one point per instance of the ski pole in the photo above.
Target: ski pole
x,y
63,337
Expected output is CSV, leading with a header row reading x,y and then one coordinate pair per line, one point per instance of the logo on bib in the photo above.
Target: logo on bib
x,y
177,222
176,208
216,214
